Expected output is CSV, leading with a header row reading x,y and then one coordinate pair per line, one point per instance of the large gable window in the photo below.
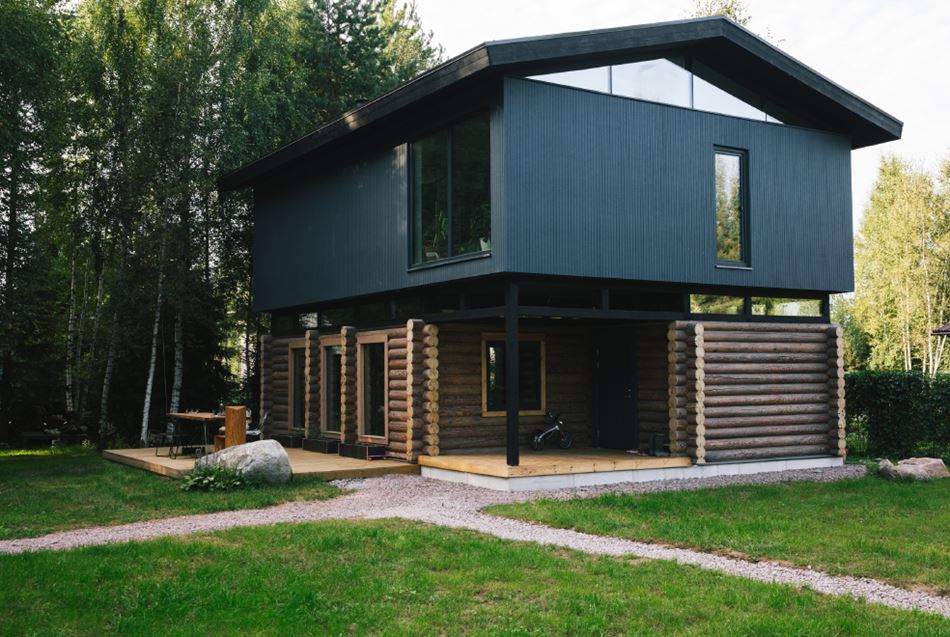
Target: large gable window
x,y
451,209
674,80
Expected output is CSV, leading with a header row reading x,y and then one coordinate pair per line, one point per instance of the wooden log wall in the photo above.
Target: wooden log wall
x,y
280,395
676,387
348,384
312,383
652,395
461,426
836,402
414,391
762,390
267,382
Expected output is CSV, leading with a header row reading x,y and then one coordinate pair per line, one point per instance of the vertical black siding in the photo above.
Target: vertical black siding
x,y
604,186
343,232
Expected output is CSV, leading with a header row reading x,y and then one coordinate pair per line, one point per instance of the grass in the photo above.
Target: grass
x,y
869,527
42,491
401,578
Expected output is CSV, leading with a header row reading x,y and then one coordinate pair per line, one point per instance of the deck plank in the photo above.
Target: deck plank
x,y
549,463
322,465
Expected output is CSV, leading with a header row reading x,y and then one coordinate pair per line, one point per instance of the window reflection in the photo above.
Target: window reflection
x,y
668,81
660,80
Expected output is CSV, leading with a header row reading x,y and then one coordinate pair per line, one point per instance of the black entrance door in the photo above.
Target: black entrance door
x,y
615,389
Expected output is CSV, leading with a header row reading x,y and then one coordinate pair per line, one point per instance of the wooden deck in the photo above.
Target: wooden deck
x,y
550,463
324,465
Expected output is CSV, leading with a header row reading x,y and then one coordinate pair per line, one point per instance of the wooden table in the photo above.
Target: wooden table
x,y
203,417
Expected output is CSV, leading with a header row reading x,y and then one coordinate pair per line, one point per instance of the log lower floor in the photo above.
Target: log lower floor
x,y
700,391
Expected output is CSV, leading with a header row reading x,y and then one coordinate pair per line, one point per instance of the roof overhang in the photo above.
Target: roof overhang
x,y
717,41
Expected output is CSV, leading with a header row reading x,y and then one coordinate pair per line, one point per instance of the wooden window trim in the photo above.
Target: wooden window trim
x,y
500,336
297,343
361,340
324,343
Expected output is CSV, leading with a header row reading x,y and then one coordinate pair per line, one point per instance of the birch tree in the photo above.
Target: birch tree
x,y
902,268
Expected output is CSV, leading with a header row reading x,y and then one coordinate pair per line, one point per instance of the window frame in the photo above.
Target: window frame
x,y
371,339
745,247
500,336
326,342
449,128
292,345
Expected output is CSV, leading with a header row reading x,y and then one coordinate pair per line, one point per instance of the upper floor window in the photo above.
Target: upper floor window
x,y
731,208
451,191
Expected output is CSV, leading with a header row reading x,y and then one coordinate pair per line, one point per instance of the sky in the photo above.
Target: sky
x,y
893,53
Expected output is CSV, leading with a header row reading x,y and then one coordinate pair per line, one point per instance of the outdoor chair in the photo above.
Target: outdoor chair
x,y
162,438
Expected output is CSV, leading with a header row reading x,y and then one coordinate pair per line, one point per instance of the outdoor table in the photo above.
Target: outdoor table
x,y
203,418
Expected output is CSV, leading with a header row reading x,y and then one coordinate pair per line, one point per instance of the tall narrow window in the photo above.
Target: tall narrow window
x,y
330,373
531,376
451,192
372,389
731,209
299,388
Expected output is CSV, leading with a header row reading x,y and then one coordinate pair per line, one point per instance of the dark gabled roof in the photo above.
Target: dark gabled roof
x,y
716,41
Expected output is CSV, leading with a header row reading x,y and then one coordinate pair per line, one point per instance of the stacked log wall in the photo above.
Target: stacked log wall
x,y
312,383
267,382
348,385
280,374
652,395
768,391
568,360
836,402
676,387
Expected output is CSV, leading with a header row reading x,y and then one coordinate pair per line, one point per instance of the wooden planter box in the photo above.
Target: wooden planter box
x,y
322,445
291,441
362,451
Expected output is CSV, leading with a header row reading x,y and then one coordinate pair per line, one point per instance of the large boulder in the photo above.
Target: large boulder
x,y
914,469
259,461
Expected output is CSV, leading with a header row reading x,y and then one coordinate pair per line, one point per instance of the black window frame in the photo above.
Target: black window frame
x,y
449,128
745,247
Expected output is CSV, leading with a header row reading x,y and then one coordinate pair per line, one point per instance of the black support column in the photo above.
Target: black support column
x,y
512,398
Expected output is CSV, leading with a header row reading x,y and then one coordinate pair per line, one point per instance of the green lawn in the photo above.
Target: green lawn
x,y
401,578
46,491
899,532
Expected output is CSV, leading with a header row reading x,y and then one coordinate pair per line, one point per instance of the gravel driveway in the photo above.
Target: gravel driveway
x,y
458,506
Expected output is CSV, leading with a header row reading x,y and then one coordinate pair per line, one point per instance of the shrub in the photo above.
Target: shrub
x,y
898,413
212,479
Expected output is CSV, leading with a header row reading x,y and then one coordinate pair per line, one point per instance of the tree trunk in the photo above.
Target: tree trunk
x,y
179,365
96,317
70,330
104,428
80,328
143,435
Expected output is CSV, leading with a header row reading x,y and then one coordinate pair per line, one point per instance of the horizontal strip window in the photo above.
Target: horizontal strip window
x,y
771,306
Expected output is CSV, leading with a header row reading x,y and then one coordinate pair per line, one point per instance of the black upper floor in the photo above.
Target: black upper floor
x,y
625,176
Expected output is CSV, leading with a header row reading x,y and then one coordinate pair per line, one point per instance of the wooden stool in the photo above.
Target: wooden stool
x,y
235,426
218,443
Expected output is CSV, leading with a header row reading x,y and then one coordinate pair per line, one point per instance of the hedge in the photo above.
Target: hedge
x,y
898,414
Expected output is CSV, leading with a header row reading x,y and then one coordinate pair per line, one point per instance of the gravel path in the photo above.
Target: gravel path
x,y
458,506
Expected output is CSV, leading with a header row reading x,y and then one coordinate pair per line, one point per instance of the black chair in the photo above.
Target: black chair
x,y
169,437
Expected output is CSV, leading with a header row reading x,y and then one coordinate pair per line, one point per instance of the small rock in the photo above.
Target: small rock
x,y
920,469
259,461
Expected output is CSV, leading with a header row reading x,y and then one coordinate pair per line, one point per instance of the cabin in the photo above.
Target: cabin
x,y
636,228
